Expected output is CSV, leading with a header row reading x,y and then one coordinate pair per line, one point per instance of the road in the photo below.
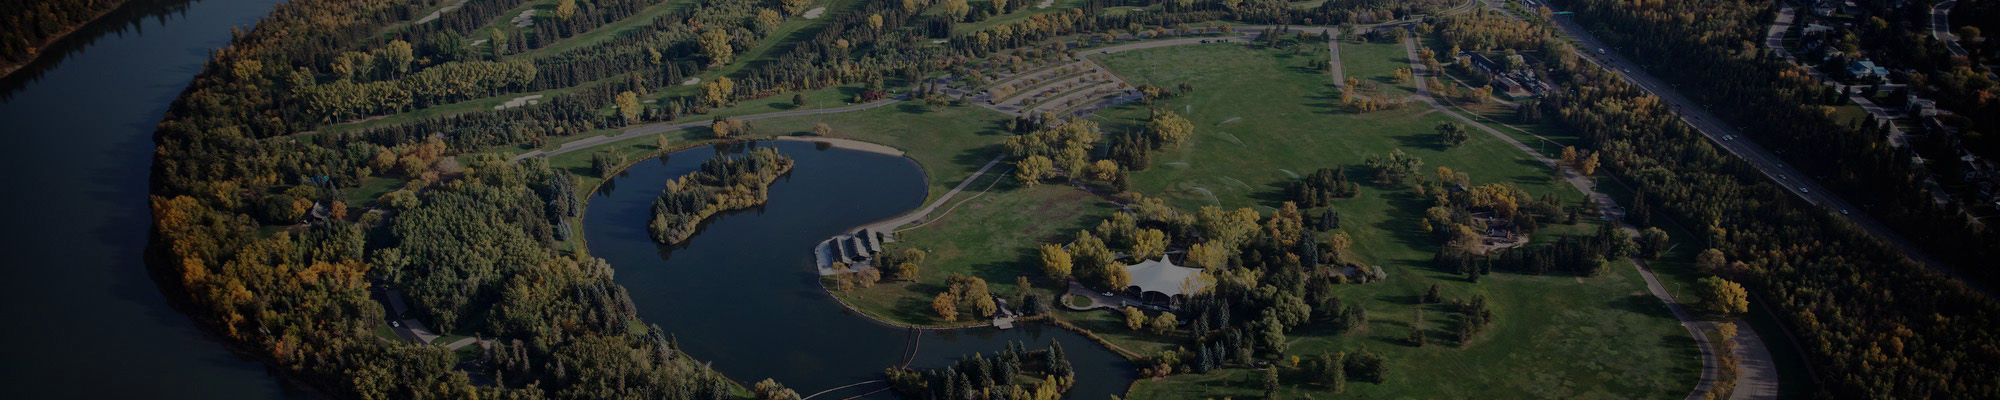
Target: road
x,y
1941,26
1730,138
1774,37
1612,213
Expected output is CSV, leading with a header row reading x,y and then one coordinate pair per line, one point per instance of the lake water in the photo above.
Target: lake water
x,y
743,292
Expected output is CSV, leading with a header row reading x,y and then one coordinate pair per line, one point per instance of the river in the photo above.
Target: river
x,y
84,318
743,294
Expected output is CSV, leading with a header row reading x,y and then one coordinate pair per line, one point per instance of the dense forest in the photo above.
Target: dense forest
x,y
26,26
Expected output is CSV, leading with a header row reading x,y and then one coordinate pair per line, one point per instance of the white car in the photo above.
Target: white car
x,y
1728,137
1843,211
1803,189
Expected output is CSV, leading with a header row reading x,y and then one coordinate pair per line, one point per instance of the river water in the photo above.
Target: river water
x,y
84,320
743,293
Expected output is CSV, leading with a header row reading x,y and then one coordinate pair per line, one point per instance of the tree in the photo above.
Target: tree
x,y
662,144
875,22
1104,170
1114,276
1338,243
1652,242
1149,244
794,7
822,129
1271,382
715,47
1273,336
1589,165
957,9
565,8
1056,262
769,389
1033,169
628,106
1726,329
718,92
1395,167
1723,297
907,264
798,100
1169,128
1330,371
946,306
1164,323
1569,155
1134,318
1451,134
1711,261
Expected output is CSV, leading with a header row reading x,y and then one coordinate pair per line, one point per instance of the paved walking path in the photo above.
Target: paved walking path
x,y
656,128
890,225
1612,213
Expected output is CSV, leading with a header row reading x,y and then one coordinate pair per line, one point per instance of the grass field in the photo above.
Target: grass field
x,y
1255,131
1260,118
1376,62
994,237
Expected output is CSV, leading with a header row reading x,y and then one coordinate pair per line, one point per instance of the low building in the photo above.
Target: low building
x,y
1865,69
1162,282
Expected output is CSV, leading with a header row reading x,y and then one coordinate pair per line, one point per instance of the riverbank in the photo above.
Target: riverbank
x,y
7,68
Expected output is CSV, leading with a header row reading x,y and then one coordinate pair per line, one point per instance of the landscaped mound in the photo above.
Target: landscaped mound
x,y
721,184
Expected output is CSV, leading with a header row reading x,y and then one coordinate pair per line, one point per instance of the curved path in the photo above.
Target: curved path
x,y
1611,212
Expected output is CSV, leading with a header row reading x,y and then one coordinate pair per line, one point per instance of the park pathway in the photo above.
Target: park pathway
x,y
1765,374
663,127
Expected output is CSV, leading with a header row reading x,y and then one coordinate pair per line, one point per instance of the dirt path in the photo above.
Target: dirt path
x,y
1611,212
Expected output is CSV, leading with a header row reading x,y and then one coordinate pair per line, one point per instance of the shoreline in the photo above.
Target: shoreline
x,y
7,70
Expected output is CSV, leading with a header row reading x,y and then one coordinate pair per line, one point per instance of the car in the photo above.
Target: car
x,y
1728,137
1803,189
1781,177
1843,211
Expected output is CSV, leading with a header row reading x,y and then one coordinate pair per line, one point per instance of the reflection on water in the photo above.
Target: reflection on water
x,y
130,17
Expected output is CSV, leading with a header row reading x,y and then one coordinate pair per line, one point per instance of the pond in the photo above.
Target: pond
x,y
744,295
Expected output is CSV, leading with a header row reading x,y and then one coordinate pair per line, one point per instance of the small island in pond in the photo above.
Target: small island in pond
x,y
720,184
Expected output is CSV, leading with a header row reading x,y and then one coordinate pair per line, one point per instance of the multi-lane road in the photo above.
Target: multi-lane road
x,y
1729,137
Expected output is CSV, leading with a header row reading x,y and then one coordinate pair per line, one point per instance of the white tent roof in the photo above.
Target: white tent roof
x,y
1163,276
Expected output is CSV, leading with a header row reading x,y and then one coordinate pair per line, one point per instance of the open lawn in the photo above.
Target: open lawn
x,y
994,237
1376,62
1255,131
1262,118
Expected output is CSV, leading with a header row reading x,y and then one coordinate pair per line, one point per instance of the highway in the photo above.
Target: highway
x,y
1730,138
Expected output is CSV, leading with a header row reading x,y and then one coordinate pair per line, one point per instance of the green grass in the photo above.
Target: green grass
x,y
372,188
1376,62
1259,113
1253,131
994,237
950,143
1849,114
